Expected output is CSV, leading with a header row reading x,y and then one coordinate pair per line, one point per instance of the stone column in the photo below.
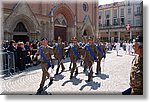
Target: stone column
x,y
108,36
130,34
119,36
52,28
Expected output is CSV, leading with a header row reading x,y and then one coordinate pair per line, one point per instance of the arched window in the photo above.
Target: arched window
x,y
20,28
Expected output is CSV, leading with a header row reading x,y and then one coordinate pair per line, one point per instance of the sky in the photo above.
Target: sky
x,y
102,2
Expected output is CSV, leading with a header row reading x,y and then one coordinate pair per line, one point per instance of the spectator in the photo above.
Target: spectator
x,y
21,56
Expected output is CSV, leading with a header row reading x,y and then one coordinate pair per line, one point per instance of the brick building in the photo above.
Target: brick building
x,y
35,20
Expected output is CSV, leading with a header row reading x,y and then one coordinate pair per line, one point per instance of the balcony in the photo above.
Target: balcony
x,y
114,26
138,13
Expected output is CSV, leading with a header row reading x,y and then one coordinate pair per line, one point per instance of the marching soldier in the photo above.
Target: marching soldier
x,y
90,57
74,56
136,75
59,54
45,53
82,52
101,53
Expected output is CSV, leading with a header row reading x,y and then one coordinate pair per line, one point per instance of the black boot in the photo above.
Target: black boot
x,y
57,71
40,90
71,76
51,81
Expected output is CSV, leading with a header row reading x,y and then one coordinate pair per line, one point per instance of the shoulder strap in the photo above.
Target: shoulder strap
x,y
75,52
91,52
43,57
59,50
99,49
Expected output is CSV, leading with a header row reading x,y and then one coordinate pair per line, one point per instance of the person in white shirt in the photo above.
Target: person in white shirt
x,y
117,47
127,48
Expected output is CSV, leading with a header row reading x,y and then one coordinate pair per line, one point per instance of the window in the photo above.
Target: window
x,y
115,22
138,10
129,10
122,11
122,21
129,21
107,22
115,13
20,28
138,22
107,16
107,13
129,3
99,17
85,6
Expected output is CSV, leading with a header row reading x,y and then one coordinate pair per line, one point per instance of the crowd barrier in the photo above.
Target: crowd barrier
x,y
7,63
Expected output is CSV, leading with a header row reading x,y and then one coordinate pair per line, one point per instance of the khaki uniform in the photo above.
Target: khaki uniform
x,y
100,56
136,76
59,56
47,53
74,59
82,53
89,61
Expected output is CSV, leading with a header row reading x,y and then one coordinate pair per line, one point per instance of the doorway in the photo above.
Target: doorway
x,y
60,31
23,38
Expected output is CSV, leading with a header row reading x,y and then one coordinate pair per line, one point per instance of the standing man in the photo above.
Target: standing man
x,y
45,53
136,75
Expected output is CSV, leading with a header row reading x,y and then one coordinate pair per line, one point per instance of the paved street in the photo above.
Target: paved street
x,y
113,80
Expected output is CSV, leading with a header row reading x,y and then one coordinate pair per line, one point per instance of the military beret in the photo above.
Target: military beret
x,y
139,38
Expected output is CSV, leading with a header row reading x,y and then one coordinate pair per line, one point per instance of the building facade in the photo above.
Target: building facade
x,y
120,21
28,21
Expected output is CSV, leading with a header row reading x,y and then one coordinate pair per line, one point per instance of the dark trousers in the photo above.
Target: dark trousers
x,y
90,73
98,69
73,69
62,66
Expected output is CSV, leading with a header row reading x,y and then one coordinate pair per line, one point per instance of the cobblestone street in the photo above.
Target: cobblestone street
x,y
113,80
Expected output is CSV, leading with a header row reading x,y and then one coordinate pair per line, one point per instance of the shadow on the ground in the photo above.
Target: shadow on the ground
x,y
74,81
92,84
108,52
102,76
120,55
58,77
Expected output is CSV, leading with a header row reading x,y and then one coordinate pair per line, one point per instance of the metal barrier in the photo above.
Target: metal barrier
x,y
8,63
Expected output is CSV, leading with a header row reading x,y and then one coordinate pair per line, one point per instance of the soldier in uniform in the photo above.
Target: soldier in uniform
x,y
82,52
74,56
136,75
101,53
90,56
59,53
45,49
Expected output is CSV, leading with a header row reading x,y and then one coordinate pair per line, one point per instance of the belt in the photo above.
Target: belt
x,y
45,62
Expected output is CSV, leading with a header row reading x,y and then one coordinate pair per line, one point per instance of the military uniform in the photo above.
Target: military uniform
x,y
59,54
89,60
82,53
100,55
44,65
136,76
74,57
